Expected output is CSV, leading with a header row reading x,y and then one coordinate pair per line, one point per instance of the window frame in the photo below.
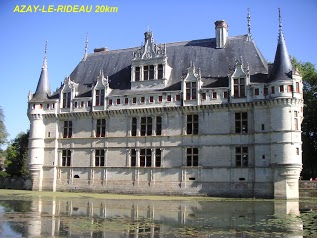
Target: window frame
x,y
101,127
192,124
67,129
241,122
66,157
99,158
192,157
242,156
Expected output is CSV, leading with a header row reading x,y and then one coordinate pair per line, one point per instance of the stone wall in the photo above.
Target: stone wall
x,y
15,183
306,188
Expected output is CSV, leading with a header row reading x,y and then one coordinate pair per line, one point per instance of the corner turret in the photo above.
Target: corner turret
x,y
43,86
282,67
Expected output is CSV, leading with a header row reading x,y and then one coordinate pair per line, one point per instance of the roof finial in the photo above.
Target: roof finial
x,y
45,54
249,37
45,49
86,48
280,19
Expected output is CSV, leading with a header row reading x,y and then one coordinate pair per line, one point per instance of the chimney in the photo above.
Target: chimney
x,y
221,33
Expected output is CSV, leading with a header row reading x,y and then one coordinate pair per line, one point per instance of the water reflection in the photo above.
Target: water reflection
x,y
145,218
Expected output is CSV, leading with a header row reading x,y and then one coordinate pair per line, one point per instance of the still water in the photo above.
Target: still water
x,y
47,216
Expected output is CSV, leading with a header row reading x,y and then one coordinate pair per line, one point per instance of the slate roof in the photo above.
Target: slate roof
x,y
282,67
43,87
215,64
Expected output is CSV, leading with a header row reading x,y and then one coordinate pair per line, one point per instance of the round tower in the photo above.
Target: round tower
x,y
37,127
285,115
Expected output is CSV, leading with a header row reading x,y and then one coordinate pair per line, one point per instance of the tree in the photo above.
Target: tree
x,y
309,124
3,131
16,163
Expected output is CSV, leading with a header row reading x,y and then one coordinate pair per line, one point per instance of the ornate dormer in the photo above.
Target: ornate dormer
x,y
239,80
68,93
191,86
100,90
149,68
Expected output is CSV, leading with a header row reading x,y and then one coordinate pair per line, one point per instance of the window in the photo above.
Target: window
x,y
68,129
192,157
289,88
297,87
66,157
281,88
82,104
178,97
297,151
158,158
256,91
110,102
134,126
160,98
239,87
296,127
118,101
126,100
151,99
158,126
146,126
75,104
137,74
89,103
47,106
272,89
191,90
225,94
100,97
134,100
142,99
169,98
242,156
66,100
100,157
160,71
151,71
241,122
214,95
203,96
133,157
266,91
101,128
146,73
145,158
192,124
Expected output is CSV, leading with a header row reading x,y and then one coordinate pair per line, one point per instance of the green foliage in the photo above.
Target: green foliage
x,y
3,131
16,154
309,124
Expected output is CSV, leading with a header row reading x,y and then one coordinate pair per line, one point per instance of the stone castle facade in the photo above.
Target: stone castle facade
x,y
201,117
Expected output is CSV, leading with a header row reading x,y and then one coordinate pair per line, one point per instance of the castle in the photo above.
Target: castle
x,y
202,117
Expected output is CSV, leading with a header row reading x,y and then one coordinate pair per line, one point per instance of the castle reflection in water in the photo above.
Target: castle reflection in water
x,y
156,218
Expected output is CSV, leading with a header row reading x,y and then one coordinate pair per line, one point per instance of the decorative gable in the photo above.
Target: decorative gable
x,y
149,68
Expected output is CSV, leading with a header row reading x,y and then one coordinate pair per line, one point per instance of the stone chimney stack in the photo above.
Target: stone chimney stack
x,y
221,33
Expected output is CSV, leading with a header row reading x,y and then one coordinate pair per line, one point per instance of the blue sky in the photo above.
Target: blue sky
x,y
23,36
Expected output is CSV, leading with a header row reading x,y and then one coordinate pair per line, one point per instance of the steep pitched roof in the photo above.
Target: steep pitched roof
x,y
282,67
214,63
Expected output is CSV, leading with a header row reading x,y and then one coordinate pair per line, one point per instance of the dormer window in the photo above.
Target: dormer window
x,y
100,95
239,87
160,71
66,100
137,73
191,90
146,73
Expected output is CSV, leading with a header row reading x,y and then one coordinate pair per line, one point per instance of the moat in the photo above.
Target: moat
x,y
47,214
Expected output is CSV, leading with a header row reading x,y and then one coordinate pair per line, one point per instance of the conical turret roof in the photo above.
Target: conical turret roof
x,y
282,67
43,86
